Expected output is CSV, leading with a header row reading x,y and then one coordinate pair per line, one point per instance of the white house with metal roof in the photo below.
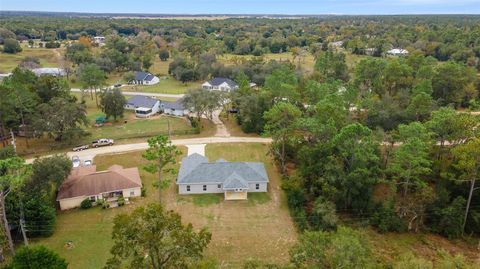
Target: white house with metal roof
x,y
144,78
144,106
235,179
397,52
220,84
49,71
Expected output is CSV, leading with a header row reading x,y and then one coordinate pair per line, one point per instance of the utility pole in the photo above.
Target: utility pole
x,y
169,132
22,225
14,143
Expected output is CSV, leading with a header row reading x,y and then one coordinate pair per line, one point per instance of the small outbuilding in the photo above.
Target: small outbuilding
x,y
397,52
144,106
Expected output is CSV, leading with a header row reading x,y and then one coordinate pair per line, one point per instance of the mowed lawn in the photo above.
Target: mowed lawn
x,y
167,84
260,228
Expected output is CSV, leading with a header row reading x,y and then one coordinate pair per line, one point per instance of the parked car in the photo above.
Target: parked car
x,y
87,162
118,85
75,161
102,142
80,147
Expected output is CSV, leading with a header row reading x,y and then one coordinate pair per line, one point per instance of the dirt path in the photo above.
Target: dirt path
x,y
91,153
221,128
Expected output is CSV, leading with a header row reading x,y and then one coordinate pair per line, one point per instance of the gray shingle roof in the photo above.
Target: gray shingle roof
x,y
218,81
140,75
177,105
142,101
234,181
196,169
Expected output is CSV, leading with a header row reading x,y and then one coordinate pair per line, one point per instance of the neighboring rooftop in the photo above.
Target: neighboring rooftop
x,y
49,71
219,81
140,75
197,169
177,105
142,101
86,181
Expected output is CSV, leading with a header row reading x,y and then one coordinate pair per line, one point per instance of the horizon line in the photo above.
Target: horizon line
x,y
244,14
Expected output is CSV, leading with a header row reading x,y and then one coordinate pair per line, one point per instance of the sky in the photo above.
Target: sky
x,y
292,7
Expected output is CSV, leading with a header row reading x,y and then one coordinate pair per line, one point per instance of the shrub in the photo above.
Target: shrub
x,y
323,215
87,203
121,201
143,191
11,45
385,219
451,219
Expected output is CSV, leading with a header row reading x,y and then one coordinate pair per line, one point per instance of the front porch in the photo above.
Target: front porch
x,y
236,195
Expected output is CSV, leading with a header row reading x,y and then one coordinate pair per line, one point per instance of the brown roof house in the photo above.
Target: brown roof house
x,y
85,182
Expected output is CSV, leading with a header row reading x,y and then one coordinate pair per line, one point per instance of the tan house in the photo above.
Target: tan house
x,y
85,182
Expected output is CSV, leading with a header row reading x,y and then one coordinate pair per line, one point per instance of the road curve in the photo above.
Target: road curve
x,y
91,153
152,94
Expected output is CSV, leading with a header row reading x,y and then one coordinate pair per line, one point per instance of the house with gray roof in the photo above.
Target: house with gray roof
x,y
143,106
144,78
220,84
176,108
49,71
234,179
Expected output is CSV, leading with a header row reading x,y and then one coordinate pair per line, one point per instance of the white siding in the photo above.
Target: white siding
x,y
262,187
198,188
137,192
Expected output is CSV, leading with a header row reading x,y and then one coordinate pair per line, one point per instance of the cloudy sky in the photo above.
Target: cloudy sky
x,y
250,6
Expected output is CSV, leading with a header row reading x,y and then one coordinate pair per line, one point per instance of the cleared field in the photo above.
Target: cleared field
x,y
306,61
48,58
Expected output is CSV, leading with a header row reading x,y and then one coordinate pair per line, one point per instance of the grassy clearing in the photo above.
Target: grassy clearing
x,y
305,62
166,85
48,58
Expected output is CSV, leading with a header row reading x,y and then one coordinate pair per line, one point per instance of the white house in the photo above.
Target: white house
x,y
176,108
397,52
48,71
144,106
100,40
220,84
144,78
234,179
85,182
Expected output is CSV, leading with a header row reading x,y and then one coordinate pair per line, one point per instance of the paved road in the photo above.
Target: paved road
x,y
166,95
91,153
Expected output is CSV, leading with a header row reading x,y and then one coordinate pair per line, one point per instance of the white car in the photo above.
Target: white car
x,y
87,162
75,161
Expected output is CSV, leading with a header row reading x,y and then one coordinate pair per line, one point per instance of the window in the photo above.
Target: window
x,y
132,192
204,187
188,187
93,198
257,186
219,186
